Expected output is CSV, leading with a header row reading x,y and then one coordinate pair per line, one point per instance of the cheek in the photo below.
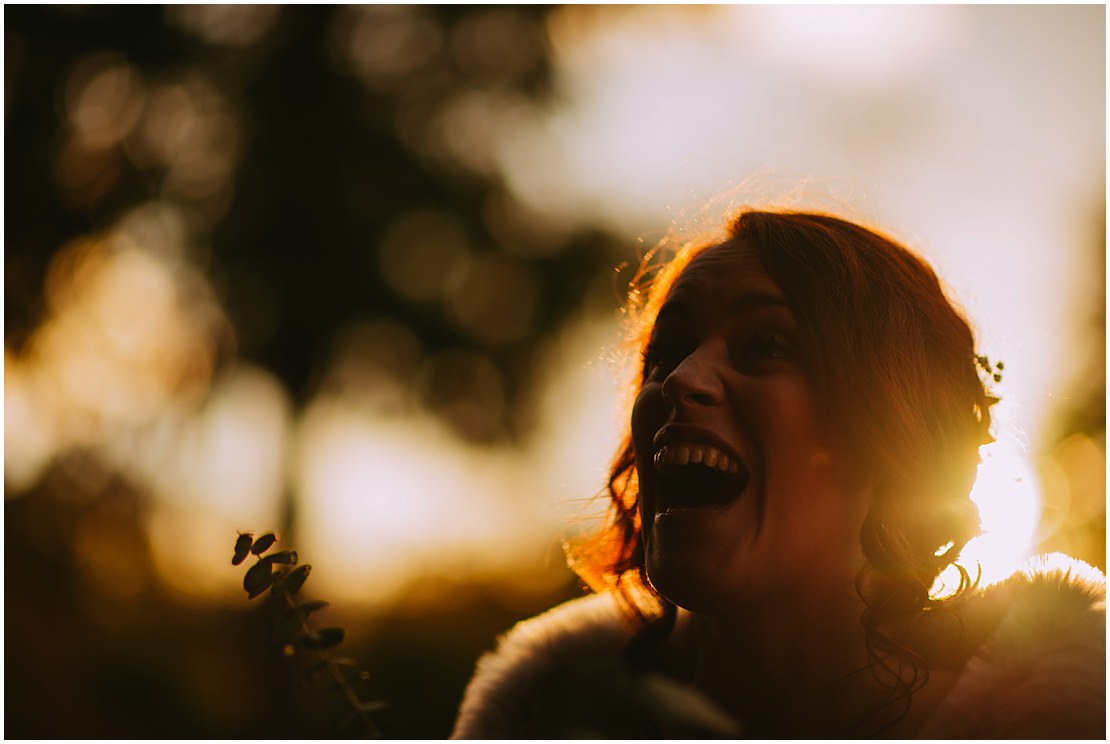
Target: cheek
x,y
809,505
787,423
801,474
649,412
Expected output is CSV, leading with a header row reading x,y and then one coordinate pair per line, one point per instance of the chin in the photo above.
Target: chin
x,y
688,582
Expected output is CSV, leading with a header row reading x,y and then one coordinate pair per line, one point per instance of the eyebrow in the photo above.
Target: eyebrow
x,y
757,300
746,302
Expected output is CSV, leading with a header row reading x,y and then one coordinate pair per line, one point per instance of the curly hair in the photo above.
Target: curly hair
x,y
875,318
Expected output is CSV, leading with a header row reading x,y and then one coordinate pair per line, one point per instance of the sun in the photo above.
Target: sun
x,y
1008,495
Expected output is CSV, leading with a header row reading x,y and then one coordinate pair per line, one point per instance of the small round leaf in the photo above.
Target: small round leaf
x,y
258,579
286,557
324,638
291,582
242,549
262,544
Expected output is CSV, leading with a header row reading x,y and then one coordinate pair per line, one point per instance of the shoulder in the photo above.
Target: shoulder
x,y
561,675
1040,671
528,670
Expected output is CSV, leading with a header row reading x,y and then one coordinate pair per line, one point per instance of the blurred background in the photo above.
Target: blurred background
x,y
353,274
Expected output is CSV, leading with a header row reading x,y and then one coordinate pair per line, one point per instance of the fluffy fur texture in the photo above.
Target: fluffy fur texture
x,y
1040,673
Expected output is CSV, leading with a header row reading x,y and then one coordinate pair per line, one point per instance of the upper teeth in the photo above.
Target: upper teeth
x,y
708,455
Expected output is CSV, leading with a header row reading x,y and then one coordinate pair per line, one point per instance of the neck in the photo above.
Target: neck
x,y
784,667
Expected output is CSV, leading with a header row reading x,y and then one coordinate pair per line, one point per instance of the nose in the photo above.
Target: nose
x,y
696,379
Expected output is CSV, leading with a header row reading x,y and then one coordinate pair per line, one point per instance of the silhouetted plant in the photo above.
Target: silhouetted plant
x,y
280,573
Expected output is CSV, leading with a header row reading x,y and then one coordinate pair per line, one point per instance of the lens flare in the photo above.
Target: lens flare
x,y
1007,492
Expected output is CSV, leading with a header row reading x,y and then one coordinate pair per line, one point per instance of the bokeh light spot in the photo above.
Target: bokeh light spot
x,y
105,98
225,25
499,43
465,388
494,299
384,45
372,365
420,251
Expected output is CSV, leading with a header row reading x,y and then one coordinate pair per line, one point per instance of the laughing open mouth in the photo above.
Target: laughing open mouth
x,y
694,475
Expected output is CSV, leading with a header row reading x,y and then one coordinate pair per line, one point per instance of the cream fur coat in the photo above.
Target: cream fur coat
x,y
1041,673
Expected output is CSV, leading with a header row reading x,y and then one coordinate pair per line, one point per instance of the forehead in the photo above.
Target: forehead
x,y
720,275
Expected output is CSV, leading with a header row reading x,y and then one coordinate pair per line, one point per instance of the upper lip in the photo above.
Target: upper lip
x,y
672,434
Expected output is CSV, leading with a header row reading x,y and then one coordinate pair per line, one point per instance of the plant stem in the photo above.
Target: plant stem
x,y
337,674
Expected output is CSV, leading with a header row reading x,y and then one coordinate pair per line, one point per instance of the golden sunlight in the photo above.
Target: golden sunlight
x,y
650,123
128,339
387,500
220,470
1007,493
124,366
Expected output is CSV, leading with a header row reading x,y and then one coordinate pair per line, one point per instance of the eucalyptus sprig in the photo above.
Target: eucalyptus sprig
x,y
280,573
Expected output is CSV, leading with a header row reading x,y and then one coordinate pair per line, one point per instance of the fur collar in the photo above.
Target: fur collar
x,y
1040,673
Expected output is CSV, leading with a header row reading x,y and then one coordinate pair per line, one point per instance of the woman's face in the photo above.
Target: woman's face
x,y
740,494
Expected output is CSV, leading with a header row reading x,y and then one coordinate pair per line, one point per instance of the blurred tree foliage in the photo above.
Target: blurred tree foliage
x,y
331,167
339,121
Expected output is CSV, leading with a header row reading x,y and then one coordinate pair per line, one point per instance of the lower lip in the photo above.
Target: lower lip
x,y
669,511
677,502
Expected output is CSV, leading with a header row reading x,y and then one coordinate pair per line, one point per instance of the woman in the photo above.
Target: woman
x,y
797,472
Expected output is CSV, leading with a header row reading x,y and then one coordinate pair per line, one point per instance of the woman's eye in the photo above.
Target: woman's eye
x,y
660,357
765,347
